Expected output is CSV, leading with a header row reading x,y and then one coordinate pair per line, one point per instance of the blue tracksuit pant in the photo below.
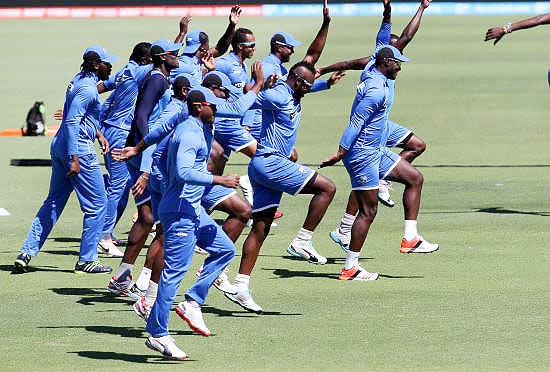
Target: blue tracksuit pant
x,y
181,234
118,185
90,190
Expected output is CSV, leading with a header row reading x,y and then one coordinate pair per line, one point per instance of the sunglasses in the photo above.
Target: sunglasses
x,y
396,61
249,44
284,45
302,80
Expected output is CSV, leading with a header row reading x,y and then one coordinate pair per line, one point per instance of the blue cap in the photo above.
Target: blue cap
x,y
193,41
222,79
208,95
285,38
102,53
165,45
388,51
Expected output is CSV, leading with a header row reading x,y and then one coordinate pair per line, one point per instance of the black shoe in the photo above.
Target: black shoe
x,y
91,267
21,264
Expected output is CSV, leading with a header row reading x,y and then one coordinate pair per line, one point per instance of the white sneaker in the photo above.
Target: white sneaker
x,y
106,246
417,245
142,309
166,346
246,187
384,196
357,273
305,250
223,284
244,299
193,316
339,239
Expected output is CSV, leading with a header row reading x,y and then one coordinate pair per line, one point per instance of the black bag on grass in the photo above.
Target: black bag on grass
x,y
35,125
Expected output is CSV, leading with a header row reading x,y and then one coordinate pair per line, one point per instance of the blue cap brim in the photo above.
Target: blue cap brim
x,y
110,58
191,48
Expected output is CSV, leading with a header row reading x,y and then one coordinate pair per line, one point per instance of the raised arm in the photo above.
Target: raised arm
x,y
225,41
410,30
184,27
496,33
316,48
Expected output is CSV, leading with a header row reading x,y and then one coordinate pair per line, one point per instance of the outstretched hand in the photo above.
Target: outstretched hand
x,y
495,33
425,3
184,24
124,154
330,161
257,72
336,77
326,12
235,14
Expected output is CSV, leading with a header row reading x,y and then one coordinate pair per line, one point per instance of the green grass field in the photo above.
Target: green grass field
x,y
480,303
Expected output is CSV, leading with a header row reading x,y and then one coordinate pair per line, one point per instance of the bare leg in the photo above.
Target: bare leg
x,y
323,190
251,249
412,147
368,206
239,212
408,175
138,234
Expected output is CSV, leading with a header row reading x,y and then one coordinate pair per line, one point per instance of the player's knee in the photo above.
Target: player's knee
x,y
294,156
420,147
417,179
330,188
369,212
244,213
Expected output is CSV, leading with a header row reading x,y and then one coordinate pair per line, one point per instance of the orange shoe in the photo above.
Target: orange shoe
x,y
417,245
357,273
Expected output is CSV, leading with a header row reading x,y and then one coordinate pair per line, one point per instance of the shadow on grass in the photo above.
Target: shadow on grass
x,y
286,273
493,210
126,332
330,260
388,276
134,358
91,296
243,313
30,269
62,239
62,252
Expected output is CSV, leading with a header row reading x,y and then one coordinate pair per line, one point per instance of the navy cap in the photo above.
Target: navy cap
x,y
221,80
102,53
388,51
193,41
159,47
284,38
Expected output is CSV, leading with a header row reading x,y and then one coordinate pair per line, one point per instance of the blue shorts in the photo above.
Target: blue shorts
x,y
397,134
134,171
271,175
232,137
156,189
214,195
365,173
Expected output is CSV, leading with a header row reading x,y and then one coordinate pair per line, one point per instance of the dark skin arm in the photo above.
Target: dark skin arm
x,y
225,41
386,16
410,30
184,27
496,33
316,48
354,64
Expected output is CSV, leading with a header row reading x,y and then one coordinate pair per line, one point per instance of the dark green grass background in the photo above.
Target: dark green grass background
x,y
480,303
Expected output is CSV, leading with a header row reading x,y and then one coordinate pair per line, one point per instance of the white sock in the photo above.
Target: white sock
x,y
242,281
352,259
144,277
345,227
410,229
123,269
107,236
303,235
151,294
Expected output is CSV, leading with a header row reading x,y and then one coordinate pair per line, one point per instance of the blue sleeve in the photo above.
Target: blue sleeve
x,y
383,36
319,85
187,153
104,108
362,112
223,66
164,129
266,100
74,115
153,89
110,83
238,108
147,159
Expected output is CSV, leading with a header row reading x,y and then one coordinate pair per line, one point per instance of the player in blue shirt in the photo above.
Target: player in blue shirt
x,y
153,88
198,57
412,145
272,172
116,118
75,166
367,160
186,224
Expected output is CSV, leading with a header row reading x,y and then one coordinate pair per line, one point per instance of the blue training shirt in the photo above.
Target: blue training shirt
x,y
118,108
186,168
80,122
367,126
189,64
236,71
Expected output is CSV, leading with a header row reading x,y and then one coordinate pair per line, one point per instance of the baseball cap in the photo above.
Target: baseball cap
x,y
161,46
193,41
102,53
220,80
285,38
388,51
202,94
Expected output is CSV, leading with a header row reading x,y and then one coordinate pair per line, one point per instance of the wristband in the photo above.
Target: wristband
x,y
507,28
